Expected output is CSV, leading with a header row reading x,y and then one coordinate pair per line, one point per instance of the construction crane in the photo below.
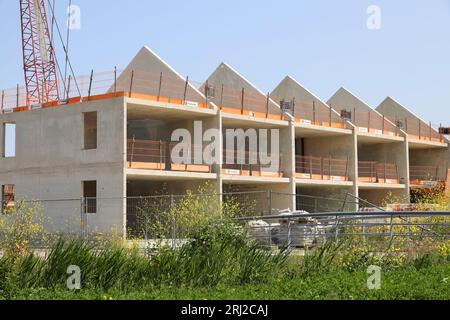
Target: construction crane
x,y
39,60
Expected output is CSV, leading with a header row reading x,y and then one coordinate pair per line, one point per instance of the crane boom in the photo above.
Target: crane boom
x,y
39,60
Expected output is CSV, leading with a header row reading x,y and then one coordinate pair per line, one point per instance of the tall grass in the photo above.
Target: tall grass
x,y
219,253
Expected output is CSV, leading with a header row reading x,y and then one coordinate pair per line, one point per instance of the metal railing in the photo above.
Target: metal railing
x,y
422,174
319,168
242,101
417,129
314,113
375,172
373,122
155,86
387,229
157,155
249,164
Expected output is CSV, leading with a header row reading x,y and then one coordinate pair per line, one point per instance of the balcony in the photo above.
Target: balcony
x,y
371,122
325,169
419,130
155,155
250,166
242,102
375,172
315,114
427,176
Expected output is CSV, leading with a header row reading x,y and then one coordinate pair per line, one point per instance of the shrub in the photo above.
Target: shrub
x,y
22,227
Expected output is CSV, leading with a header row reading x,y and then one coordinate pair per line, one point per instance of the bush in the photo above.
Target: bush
x,y
22,227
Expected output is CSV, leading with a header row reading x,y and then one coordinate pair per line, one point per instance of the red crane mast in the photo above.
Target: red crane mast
x,y
39,60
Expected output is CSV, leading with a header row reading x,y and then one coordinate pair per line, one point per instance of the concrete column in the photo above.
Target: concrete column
x,y
124,177
2,140
287,149
215,123
354,165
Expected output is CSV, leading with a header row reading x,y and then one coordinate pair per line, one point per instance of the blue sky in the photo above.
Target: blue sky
x,y
323,44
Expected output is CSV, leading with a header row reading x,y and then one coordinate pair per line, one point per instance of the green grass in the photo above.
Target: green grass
x,y
400,284
222,263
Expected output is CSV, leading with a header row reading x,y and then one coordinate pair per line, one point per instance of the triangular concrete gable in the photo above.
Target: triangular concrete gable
x,y
147,67
362,113
305,101
232,83
396,111
343,99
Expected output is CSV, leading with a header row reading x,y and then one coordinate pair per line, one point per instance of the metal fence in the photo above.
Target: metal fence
x,y
384,229
316,219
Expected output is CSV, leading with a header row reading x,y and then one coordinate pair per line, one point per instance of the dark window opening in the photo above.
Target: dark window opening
x,y
90,196
90,130
8,198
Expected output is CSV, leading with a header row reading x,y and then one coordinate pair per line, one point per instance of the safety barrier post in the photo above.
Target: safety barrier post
x,y
431,131
331,112
160,85
221,98
420,130
242,101
293,107
90,83
115,81
185,90
131,83
68,87
206,92
314,112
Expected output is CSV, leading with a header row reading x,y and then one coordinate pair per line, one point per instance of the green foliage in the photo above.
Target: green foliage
x,y
163,216
219,253
21,227
399,284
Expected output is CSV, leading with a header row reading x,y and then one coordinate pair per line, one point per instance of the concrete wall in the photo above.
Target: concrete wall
x,y
50,162
147,67
345,100
394,110
338,193
382,197
429,157
336,147
390,153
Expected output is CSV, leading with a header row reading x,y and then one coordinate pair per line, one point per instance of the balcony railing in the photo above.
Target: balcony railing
x,y
373,122
417,129
156,155
250,165
424,175
316,114
375,172
242,101
153,86
318,168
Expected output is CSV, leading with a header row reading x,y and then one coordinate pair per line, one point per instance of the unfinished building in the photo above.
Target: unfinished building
x,y
94,153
